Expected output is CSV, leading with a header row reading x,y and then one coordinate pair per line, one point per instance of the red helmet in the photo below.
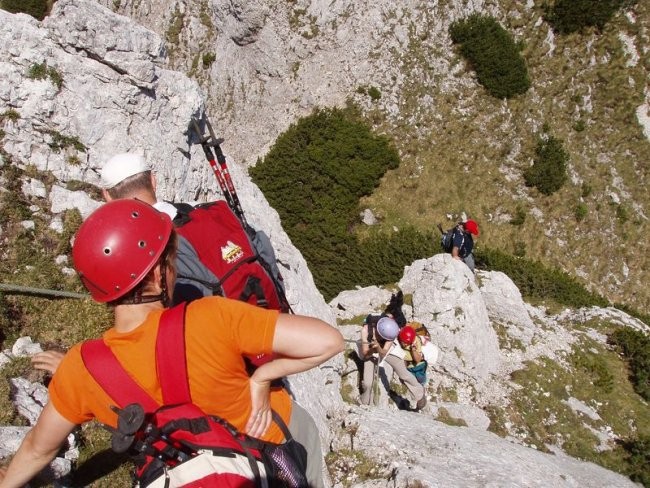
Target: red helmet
x,y
117,245
407,335
471,227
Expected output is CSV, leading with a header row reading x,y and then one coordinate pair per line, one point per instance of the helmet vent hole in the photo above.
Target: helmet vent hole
x,y
135,214
107,251
142,244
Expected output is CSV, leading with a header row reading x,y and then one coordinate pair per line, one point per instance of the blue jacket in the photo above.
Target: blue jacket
x,y
463,241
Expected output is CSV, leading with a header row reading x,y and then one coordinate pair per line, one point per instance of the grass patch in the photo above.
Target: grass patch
x,y
445,417
350,467
540,413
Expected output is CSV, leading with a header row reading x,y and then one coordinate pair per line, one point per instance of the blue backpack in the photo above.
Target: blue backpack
x,y
447,238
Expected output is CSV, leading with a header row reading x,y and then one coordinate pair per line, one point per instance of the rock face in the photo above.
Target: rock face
x,y
114,96
445,293
106,89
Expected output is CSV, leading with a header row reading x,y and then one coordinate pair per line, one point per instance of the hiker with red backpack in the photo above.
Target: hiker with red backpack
x,y
218,252
187,358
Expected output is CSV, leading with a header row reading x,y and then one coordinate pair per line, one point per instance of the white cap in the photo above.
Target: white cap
x,y
120,167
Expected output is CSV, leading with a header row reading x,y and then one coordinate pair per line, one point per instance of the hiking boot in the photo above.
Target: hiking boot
x,y
421,403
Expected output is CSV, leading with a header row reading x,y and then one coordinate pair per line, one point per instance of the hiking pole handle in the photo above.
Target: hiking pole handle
x,y
221,158
209,155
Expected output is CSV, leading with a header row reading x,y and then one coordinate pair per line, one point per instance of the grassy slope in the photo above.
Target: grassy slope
x,y
466,151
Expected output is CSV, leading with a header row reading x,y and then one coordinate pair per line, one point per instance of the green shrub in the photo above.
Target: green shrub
x,y
208,59
314,176
59,141
567,16
548,172
41,71
579,125
519,218
581,212
636,349
36,8
374,93
9,114
535,280
493,54
639,459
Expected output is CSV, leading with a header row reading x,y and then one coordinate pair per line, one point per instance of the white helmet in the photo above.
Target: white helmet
x,y
387,328
121,167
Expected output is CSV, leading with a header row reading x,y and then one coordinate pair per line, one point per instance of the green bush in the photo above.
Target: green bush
x,y
374,93
493,54
41,71
535,280
208,59
581,212
567,16
636,349
548,172
314,176
36,8
638,459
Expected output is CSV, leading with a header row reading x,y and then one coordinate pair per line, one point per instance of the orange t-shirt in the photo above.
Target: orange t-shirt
x,y
217,332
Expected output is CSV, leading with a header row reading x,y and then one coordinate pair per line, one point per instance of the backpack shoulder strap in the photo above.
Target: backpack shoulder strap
x,y
171,361
107,371
182,213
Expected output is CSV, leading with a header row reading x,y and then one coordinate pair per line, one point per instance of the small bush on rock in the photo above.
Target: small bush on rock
x,y
567,16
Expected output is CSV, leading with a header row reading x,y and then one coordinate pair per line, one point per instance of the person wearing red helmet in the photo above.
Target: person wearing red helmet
x,y
124,254
463,242
380,354
412,345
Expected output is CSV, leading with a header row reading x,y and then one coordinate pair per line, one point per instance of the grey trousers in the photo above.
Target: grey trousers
x,y
304,430
393,364
367,381
469,261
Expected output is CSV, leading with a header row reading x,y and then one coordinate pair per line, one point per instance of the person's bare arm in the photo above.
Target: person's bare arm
x,y
38,448
302,343
454,252
47,360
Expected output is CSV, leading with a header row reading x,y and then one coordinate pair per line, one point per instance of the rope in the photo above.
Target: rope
x,y
28,290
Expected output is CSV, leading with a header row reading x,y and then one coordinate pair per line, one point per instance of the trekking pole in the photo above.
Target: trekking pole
x,y
209,155
222,173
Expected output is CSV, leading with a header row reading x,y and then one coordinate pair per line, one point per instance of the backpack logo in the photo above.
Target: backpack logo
x,y
231,252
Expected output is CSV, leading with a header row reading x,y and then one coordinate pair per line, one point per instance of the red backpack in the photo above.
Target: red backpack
x,y
176,444
238,256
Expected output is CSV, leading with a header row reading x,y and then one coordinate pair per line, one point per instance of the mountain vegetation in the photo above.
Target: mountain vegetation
x,y
493,53
334,160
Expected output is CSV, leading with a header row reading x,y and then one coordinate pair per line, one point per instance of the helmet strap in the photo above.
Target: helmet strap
x,y
163,296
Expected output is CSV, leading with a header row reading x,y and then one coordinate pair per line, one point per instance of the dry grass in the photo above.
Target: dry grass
x,y
465,152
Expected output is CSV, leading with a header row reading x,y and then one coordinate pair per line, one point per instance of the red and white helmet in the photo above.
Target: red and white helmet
x,y
117,245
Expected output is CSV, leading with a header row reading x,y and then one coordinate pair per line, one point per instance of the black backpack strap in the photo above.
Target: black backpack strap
x,y
182,213
254,287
